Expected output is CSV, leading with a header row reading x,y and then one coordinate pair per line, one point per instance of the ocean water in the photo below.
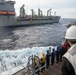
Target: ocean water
x,y
18,43
33,36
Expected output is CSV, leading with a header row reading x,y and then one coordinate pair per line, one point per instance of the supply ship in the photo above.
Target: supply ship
x,y
8,16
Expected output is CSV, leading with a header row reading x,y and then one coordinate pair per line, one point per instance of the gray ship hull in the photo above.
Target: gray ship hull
x,y
24,22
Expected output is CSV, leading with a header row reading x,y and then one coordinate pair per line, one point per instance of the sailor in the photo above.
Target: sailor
x,y
64,48
50,49
69,58
57,53
52,55
48,59
43,60
60,53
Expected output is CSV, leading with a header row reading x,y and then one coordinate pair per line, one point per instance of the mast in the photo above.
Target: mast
x,y
22,11
40,13
49,12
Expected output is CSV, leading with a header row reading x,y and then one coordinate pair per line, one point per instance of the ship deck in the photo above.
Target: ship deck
x,y
52,70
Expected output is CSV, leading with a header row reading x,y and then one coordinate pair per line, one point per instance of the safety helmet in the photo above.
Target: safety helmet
x,y
71,33
49,47
47,51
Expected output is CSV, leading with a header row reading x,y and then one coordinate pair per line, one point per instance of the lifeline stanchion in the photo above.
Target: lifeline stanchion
x,y
31,63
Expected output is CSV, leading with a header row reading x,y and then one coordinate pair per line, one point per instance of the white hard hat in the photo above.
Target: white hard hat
x,y
71,33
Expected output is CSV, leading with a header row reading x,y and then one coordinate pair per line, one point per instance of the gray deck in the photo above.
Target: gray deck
x,y
52,70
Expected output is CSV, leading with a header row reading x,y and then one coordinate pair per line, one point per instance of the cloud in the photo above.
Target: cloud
x,y
68,12
45,3
33,3
65,8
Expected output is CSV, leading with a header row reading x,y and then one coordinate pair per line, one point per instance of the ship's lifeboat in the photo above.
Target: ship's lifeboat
x,y
3,13
11,13
7,13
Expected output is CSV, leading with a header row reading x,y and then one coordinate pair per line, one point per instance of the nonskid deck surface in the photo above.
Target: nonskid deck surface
x,y
52,70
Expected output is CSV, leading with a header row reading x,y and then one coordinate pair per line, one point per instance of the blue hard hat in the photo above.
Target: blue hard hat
x,y
53,49
47,51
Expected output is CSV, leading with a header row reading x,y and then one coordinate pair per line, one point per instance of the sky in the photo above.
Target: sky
x,y
63,8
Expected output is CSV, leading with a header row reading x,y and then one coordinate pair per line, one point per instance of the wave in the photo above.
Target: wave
x,y
13,58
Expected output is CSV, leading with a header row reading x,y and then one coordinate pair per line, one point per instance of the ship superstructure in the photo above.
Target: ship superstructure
x,y
8,16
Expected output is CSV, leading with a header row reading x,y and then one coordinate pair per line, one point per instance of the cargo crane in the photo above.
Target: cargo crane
x,y
32,13
40,13
54,13
49,11
22,11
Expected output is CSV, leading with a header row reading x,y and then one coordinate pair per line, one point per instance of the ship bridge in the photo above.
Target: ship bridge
x,y
7,7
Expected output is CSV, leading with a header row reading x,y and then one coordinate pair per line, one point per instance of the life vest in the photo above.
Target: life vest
x,y
71,56
43,59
